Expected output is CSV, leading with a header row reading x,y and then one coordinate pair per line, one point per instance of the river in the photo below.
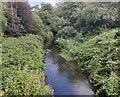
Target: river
x,y
63,79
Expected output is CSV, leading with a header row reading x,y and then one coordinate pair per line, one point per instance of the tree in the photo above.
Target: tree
x,y
23,10
89,15
66,32
19,17
14,26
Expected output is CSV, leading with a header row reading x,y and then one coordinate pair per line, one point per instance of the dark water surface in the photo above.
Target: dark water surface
x,y
63,79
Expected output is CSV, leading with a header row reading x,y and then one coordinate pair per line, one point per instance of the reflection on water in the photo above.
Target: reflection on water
x,y
64,79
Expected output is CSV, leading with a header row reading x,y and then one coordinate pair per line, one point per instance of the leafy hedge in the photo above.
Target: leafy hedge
x,y
99,55
22,66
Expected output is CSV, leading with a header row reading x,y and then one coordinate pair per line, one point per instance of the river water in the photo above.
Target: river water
x,y
63,79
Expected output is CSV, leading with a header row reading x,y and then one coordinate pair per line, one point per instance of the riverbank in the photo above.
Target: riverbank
x,y
98,55
22,66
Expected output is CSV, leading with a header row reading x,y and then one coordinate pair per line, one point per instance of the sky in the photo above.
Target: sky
x,y
53,2
35,2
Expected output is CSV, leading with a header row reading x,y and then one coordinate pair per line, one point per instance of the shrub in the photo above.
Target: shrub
x,y
99,56
22,66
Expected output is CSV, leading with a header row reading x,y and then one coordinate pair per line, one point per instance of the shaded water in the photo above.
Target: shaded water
x,y
63,79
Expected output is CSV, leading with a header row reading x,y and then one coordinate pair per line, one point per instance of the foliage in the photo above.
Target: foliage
x,y
89,16
99,55
20,19
39,29
69,18
46,13
66,32
23,11
50,19
22,66
80,32
26,83
3,20
46,7
38,24
14,26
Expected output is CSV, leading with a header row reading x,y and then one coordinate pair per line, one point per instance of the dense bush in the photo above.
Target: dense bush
x,y
22,58
99,55
66,32
39,29
21,21
14,22
3,19
3,24
68,18
22,66
89,16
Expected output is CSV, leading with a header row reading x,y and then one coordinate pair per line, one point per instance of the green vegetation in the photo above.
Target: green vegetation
x,y
41,30
98,55
22,66
88,33
22,56
3,19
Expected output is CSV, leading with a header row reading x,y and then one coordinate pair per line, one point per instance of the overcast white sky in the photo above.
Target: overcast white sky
x,y
34,2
